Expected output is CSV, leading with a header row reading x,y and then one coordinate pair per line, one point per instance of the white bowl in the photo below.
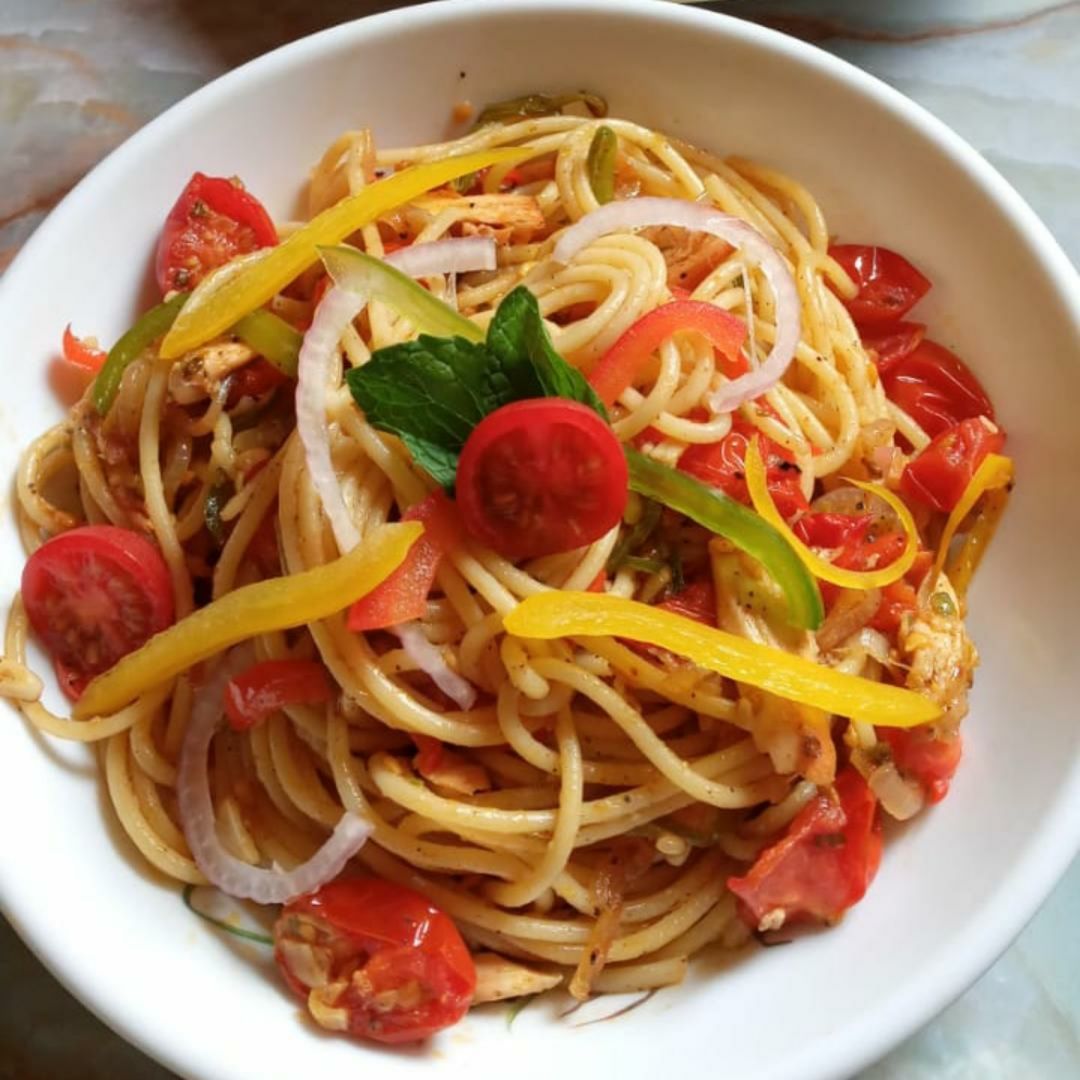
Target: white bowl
x,y
954,888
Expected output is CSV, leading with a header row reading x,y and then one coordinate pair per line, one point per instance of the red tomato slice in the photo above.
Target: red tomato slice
x,y
939,475
263,688
93,595
828,530
212,222
891,342
936,388
697,601
403,595
539,477
723,465
622,363
375,960
889,286
823,864
925,757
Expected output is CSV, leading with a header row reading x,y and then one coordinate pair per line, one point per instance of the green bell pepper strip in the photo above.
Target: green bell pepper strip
x,y
272,338
147,329
730,519
600,163
532,105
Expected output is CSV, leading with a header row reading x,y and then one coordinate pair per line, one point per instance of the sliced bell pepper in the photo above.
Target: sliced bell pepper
x,y
403,595
80,354
996,471
262,689
272,338
620,365
147,329
822,568
219,308
556,614
737,523
600,163
276,604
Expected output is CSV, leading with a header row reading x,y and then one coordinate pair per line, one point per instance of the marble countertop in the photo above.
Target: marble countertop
x,y
77,77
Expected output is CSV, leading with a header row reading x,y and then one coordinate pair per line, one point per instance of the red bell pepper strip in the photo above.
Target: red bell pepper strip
x,y
263,688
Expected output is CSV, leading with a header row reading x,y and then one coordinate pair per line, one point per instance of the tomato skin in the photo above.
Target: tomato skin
x,y
723,465
696,601
891,342
263,688
255,378
403,595
89,358
889,286
941,473
831,530
823,864
212,221
398,966
620,365
540,477
92,595
922,755
936,388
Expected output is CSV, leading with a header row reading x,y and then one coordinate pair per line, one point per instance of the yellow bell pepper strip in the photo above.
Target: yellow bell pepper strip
x,y
996,471
276,604
214,310
555,614
758,487
735,522
960,569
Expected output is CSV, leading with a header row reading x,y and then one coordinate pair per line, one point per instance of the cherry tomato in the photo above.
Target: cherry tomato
x,y
539,477
263,688
622,363
255,378
936,388
831,530
925,757
93,595
375,960
696,601
823,864
940,474
403,595
891,342
213,221
889,286
723,465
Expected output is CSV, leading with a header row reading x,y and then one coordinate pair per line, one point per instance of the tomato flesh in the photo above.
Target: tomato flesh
x,y
255,378
375,960
921,755
539,477
891,342
822,865
939,476
92,595
263,688
696,601
403,595
212,222
889,286
936,388
723,465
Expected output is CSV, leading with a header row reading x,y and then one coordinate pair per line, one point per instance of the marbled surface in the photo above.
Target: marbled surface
x,y
78,76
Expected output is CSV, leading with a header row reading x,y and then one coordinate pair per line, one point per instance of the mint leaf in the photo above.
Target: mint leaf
x,y
439,462
517,334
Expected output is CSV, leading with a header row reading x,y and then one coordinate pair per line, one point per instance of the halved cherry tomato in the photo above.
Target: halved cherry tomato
x,y
622,363
213,221
936,388
541,476
939,475
889,286
375,960
255,378
723,465
822,865
925,757
696,601
891,342
94,594
403,595
263,688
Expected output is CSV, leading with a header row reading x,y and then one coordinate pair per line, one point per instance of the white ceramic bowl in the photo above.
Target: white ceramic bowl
x,y
954,888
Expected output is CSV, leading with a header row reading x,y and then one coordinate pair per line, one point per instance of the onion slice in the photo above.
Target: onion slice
x,y
429,660
231,875
639,213
318,358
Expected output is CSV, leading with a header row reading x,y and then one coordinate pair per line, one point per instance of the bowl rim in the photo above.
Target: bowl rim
x,y
868,1036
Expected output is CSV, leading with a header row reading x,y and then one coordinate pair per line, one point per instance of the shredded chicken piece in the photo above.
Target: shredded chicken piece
x,y
797,738
456,773
498,978
690,256
520,214
199,374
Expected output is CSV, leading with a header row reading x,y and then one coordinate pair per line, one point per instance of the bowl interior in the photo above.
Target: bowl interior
x,y
953,888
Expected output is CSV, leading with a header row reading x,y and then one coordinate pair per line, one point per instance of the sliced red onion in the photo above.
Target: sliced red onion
x,y
628,214
231,875
318,356
430,661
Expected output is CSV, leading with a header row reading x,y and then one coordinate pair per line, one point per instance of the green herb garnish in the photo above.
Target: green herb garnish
x,y
236,931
